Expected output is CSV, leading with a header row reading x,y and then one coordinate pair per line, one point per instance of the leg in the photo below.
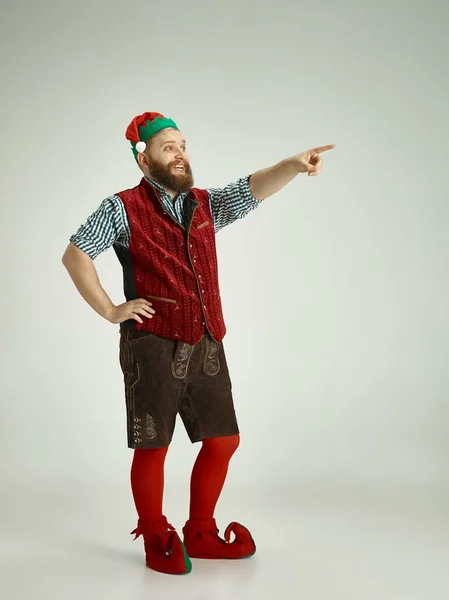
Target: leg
x,y
151,402
208,414
147,482
209,474
163,549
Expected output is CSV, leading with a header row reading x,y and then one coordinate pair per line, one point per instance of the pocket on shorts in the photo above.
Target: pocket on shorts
x,y
141,339
130,368
132,375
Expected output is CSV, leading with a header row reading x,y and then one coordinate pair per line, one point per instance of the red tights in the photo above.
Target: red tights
x,y
208,477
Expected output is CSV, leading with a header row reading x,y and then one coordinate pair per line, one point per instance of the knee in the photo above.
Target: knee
x,y
142,455
234,442
224,446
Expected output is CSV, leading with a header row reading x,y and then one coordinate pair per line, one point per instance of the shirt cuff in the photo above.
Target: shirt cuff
x,y
253,202
85,245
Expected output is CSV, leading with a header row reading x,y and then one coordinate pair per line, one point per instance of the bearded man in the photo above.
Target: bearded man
x,y
172,328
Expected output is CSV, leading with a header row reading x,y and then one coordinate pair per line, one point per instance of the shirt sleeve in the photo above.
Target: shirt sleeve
x,y
232,202
108,225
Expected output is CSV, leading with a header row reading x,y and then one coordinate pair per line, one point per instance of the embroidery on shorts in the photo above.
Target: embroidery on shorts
x,y
211,361
150,428
181,360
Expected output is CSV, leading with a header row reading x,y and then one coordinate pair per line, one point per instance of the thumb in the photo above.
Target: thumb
x,y
305,166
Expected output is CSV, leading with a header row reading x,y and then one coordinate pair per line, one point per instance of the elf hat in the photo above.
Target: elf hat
x,y
143,127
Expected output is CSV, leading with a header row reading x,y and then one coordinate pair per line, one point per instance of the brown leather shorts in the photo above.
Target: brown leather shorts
x,y
165,377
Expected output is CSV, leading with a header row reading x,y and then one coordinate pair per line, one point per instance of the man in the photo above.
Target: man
x,y
171,328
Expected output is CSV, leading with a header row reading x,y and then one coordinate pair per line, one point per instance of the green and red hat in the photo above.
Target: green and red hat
x,y
143,127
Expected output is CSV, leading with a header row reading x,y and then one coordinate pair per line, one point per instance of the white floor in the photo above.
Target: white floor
x,y
311,544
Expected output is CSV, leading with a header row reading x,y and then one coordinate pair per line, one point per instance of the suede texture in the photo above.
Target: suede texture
x,y
164,378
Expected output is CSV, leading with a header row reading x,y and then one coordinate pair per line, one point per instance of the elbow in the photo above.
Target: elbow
x,y
74,256
65,257
68,255
255,189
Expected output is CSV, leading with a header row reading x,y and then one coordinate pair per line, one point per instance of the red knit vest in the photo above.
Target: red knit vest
x,y
172,266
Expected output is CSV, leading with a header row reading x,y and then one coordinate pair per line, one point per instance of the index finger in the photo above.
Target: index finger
x,y
144,301
320,149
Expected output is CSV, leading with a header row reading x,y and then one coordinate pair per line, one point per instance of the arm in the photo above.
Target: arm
x,y
232,202
236,200
107,226
267,182
84,275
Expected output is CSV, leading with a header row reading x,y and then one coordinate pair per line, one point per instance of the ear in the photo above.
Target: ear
x,y
142,160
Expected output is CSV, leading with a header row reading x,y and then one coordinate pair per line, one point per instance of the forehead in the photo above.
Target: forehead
x,y
169,135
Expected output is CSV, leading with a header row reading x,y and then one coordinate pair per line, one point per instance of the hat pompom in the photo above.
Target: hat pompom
x,y
141,146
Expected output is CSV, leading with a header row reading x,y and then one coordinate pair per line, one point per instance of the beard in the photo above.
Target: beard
x,y
165,176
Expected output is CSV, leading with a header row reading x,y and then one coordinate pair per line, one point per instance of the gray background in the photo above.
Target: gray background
x,y
335,291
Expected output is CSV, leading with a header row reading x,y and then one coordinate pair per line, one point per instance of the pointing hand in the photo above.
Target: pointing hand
x,y
310,161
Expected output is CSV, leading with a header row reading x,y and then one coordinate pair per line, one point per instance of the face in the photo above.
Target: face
x,y
167,161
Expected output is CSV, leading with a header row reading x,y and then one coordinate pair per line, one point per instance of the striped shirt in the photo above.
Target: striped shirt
x,y
109,224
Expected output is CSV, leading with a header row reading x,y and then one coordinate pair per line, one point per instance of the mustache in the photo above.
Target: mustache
x,y
183,163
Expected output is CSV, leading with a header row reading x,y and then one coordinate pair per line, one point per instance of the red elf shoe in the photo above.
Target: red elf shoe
x,y
201,540
164,551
